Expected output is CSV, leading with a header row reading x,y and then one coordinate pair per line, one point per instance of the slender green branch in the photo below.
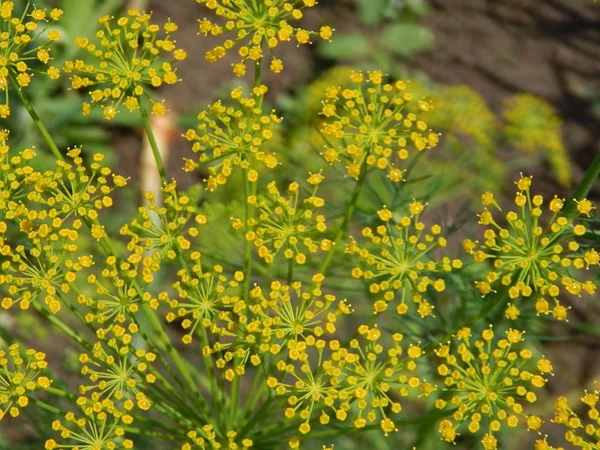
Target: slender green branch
x,y
341,233
153,145
36,119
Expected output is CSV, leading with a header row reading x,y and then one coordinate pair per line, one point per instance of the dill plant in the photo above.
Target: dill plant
x,y
261,361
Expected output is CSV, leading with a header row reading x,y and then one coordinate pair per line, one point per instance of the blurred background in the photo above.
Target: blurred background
x,y
516,84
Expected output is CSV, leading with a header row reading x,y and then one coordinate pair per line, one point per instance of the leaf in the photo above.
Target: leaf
x,y
346,46
371,11
406,39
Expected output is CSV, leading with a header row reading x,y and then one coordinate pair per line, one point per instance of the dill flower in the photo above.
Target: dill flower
x,y
233,136
120,288
24,40
307,383
489,382
255,25
531,260
371,125
79,188
205,438
532,125
92,431
46,267
373,375
203,297
295,312
129,61
20,376
117,373
398,264
286,225
581,432
167,229
17,175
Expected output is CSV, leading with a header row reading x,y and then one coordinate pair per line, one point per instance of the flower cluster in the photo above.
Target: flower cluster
x,y
24,40
233,136
205,438
115,373
165,229
256,25
368,125
579,433
100,427
129,61
489,382
365,373
286,225
399,261
81,188
202,298
20,376
529,259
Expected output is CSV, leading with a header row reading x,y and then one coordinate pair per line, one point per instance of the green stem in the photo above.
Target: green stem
x,y
340,235
36,119
153,145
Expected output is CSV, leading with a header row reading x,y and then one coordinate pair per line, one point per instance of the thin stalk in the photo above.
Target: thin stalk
x,y
36,119
340,235
153,145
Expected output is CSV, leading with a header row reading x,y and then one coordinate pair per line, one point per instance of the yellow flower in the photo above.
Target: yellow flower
x,y
100,427
369,125
24,38
288,226
21,376
488,380
127,62
257,26
530,259
582,432
233,136
397,263
117,372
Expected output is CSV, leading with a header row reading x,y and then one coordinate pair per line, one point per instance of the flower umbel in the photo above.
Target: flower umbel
x,y
488,382
287,225
24,40
256,25
233,136
580,433
398,261
20,376
529,259
369,125
128,63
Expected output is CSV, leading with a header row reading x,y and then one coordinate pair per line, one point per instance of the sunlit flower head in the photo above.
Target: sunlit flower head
x,y
205,438
116,372
286,225
534,257
103,429
369,125
583,431
24,40
398,262
20,377
131,56
230,136
257,27
489,384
